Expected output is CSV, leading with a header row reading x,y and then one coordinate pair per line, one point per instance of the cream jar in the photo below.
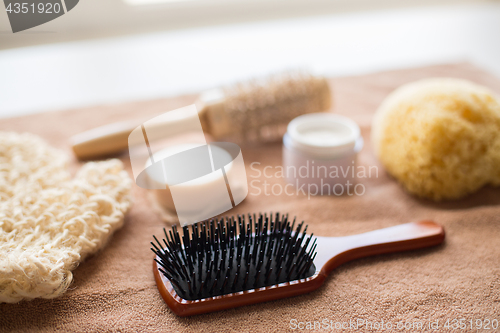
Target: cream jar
x,y
320,151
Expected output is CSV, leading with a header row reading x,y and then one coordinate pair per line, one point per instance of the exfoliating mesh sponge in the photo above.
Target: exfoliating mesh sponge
x,y
49,222
440,137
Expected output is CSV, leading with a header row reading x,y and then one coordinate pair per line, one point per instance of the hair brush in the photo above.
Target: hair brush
x,y
252,111
230,262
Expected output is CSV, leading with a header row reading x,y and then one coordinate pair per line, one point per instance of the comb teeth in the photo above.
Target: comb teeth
x,y
229,255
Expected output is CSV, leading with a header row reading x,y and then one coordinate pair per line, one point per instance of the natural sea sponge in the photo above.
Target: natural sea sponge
x,y
49,222
440,137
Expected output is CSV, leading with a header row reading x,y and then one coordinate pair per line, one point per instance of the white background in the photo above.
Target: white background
x,y
165,63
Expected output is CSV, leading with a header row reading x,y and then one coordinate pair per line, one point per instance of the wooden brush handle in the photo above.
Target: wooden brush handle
x,y
102,141
113,138
334,251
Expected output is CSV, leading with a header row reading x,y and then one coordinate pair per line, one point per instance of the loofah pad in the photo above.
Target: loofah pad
x,y
49,222
440,137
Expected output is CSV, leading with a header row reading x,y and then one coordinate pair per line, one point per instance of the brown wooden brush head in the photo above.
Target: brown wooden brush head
x,y
331,252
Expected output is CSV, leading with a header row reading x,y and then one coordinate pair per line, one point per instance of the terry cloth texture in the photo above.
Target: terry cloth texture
x,y
115,291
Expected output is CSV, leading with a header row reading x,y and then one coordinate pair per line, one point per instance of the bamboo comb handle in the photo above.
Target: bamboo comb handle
x,y
334,251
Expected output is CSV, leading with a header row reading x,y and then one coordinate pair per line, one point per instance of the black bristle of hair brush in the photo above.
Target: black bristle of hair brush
x,y
229,255
228,262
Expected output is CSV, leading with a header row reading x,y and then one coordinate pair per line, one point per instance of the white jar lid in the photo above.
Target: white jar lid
x,y
323,135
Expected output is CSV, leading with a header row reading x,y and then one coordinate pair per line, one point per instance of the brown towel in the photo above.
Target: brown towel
x,y
115,289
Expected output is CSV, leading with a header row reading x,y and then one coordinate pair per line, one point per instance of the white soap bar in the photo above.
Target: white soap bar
x,y
196,198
